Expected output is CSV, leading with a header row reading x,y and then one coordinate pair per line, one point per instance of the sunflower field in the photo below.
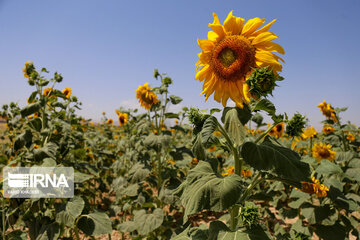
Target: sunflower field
x,y
194,174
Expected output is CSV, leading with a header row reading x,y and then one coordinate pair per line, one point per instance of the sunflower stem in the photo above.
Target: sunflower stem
x,y
265,133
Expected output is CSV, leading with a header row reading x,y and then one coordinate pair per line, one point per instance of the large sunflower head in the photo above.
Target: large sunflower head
x,y
309,133
322,151
146,97
230,54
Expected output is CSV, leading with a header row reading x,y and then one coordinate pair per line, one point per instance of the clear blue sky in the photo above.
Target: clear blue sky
x,y
105,49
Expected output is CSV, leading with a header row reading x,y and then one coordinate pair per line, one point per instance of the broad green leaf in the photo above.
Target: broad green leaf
x,y
35,124
30,109
128,226
234,126
138,173
299,228
244,114
327,167
146,223
131,190
175,99
334,232
24,139
198,148
207,136
95,224
47,151
72,210
344,156
80,177
280,160
254,233
204,189
265,105
49,232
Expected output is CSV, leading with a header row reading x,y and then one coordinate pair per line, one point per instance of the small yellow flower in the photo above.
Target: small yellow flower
x,y
92,123
123,118
327,129
47,91
109,121
322,151
213,148
246,173
172,162
146,97
309,133
194,161
217,133
27,65
230,170
55,131
67,92
351,137
176,122
36,146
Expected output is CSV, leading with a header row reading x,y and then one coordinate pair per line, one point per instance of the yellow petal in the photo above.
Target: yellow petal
x,y
233,25
212,36
217,27
271,47
201,74
251,25
205,44
264,38
264,28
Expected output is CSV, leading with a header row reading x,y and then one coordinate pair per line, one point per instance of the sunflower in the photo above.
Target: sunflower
x,y
319,189
246,173
29,66
109,121
231,53
47,91
351,137
328,111
322,151
123,118
230,170
327,129
146,97
278,130
67,92
309,133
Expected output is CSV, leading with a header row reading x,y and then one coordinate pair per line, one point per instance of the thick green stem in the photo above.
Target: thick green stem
x,y
159,169
310,146
3,217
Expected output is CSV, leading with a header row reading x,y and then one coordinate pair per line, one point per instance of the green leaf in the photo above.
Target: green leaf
x,y
131,190
172,115
80,177
209,127
299,228
198,148
214,110
265,105
72,210
254,233
49,232
244,114
95,224
47,151
234,126
24,139
35,124
30,109
204,189
175,99
327,167
138,173
128,226
146,223
280,160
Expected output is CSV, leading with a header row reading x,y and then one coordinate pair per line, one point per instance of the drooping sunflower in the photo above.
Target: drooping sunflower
x,y
328,111
314,188
67,92
146,97
322,151
29,67
351,137
47,91
123,118
230,54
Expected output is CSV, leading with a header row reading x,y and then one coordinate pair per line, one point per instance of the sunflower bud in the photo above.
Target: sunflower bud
x,y
249,215
167,81
197,119
57,77
156,73
262,82
296,125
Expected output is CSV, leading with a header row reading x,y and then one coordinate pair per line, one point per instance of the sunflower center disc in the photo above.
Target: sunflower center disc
x,y
233,57
227,57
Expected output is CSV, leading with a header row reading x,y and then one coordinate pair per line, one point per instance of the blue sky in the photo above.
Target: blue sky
x,y
105,49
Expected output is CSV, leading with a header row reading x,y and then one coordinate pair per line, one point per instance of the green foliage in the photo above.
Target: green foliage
x,y
295,125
